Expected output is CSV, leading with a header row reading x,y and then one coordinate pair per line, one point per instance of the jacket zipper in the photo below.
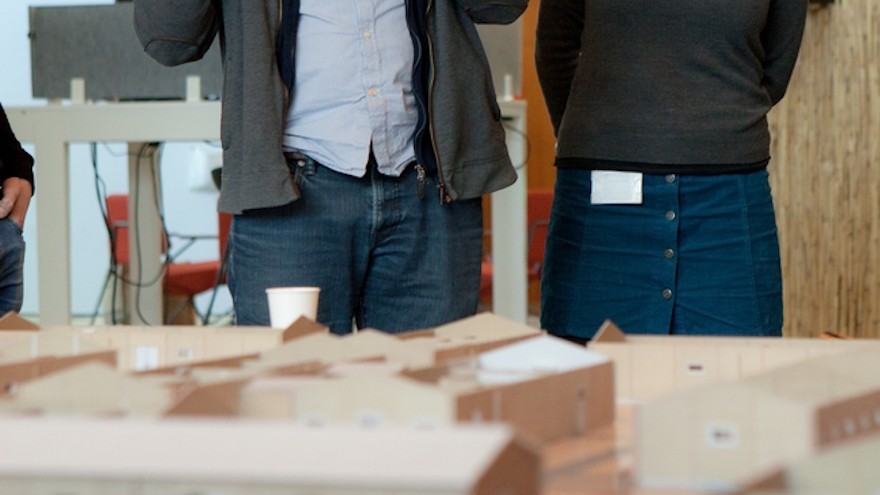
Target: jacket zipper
x,y
421,176
278,22
441,182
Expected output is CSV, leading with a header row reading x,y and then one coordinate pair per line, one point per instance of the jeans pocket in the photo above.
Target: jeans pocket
x,y
301,166
10,223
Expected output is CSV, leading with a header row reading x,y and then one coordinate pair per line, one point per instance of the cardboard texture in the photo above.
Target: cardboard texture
x,y
92,388
215,399
849,468
142,348
46,343
13,321
35,354
456,341
648,366
721,435
468,337
369,399
546,387
226,364
180,457
302,327
14,375
519,385
609,332
327,348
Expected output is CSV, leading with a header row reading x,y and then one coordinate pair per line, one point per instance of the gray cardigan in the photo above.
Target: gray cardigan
x,y
463,118
683,84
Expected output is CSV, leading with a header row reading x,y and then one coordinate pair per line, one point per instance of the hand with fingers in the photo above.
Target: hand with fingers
x,y
16,199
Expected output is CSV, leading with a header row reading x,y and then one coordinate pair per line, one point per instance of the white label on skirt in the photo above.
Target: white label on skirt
x,y
619,188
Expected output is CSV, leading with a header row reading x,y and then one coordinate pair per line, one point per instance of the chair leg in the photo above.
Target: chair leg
x,y
114,276
101,297
221,273
174,315
119,314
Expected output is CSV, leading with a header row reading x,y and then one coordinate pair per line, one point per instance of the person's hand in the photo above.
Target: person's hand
x,y
16,199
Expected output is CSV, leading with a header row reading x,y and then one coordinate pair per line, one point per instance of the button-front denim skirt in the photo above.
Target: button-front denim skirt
x,y
700,255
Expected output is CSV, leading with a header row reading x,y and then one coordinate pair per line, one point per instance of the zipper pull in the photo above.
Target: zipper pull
x,y
444,198
420,174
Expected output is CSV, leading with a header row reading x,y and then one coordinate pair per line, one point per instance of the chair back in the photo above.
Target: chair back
x,y
117,221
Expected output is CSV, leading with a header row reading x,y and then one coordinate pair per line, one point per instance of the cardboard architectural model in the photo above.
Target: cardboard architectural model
x,y
647,366
850,468
546,387
142,348
29,355
459,340
94,388
471,370
47,456
720,435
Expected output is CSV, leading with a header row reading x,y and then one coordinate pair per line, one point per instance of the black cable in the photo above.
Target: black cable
x,y
528,143
156,175
101,194
146,151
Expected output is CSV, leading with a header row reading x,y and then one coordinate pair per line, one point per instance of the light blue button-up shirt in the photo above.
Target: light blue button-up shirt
x,y
354,62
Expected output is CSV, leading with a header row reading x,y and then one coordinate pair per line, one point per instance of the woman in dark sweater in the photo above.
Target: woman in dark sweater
x,y
17,181
663,219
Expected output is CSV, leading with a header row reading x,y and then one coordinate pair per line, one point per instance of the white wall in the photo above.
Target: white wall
x,y
188,209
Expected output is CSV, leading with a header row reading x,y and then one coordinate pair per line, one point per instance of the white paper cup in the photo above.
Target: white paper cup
x,y
288,304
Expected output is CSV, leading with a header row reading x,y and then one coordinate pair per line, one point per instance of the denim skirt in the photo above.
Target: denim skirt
x,y
700,255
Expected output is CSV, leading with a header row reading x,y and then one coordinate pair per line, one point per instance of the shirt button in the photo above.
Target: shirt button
x,y
670,215
669,254
667,293
372,92
670,178
367,34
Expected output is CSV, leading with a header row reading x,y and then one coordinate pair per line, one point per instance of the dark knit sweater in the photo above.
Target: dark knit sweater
x,y
14,161
676,86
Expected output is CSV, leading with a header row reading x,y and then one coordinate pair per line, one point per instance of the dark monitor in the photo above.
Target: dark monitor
x,y
98,44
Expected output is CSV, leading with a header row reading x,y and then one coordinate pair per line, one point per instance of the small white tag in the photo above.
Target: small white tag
x,y
146,358
619,188
722,435
186,353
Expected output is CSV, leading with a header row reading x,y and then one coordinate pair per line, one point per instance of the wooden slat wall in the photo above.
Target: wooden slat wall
x,y
825,174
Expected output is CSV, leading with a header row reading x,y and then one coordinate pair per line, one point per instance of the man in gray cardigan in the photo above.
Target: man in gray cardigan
x,y
358,139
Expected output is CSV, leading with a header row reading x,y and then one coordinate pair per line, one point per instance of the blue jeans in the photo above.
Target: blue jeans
x,y
11,266
383,256
700,255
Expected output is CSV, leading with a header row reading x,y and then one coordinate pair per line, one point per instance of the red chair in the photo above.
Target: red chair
x,y
539,203
186,279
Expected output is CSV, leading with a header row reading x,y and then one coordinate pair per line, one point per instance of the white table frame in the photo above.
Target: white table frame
x,y
52,128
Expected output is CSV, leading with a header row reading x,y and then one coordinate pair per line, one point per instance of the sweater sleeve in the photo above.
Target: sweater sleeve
x,y
557,50
781,38
14,160
176,31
